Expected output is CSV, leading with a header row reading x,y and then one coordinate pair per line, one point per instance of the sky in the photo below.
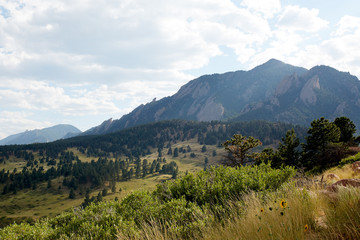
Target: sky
x,y
81,62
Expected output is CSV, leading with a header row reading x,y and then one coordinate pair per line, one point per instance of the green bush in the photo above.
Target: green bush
x,y
349,160
41,230
220,184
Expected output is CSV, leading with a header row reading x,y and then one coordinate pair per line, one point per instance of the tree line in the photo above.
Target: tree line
x,y
138,141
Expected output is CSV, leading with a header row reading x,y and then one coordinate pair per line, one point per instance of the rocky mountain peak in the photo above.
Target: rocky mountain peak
x,y
273,91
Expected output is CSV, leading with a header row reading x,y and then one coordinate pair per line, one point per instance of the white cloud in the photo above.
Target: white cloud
x,y
339,51
36,95
347,25
295,18
268,8
155,35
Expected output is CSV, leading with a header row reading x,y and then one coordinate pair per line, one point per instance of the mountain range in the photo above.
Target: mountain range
x,y
42,135
273,91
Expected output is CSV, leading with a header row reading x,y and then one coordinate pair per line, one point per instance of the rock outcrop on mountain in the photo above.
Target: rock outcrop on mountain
x,y
320,92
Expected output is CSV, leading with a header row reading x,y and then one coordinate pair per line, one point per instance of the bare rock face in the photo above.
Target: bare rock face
x,y
340,109
286,84
158,113
210,111
308,95
345,183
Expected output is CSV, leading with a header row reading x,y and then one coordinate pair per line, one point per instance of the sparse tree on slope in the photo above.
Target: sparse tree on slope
x,y
239,148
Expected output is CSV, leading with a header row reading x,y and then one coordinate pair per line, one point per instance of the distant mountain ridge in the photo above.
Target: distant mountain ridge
x,y
273,91
42,135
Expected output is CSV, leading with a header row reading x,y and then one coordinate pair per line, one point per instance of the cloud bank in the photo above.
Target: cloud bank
x,y
93,59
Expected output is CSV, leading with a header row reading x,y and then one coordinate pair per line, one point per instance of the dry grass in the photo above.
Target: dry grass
x,y
290,213
271,219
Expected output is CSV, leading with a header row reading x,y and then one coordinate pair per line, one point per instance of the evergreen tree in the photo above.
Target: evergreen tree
x,y
214,153
86,199
131,173
72,194
104,192
203,149
239,150
288,152
144,168
49,183
347,129
113,188
99,197
152,167
322,136
175,173
138,168
176,152
158,167
188,148
206,161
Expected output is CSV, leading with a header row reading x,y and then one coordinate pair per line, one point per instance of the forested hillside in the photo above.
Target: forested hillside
x,y
139,141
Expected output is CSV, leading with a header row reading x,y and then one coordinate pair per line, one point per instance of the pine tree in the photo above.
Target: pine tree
x,y
72,194
169,151
347,129
322,136
99,197
203,149
176,152
175,173
113,188
206,161
288,149
49,183
239,150
104,192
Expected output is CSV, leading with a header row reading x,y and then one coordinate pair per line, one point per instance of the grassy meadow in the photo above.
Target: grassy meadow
x,y
49,202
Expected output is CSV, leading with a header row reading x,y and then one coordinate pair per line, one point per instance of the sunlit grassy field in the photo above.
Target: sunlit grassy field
x,y
48,202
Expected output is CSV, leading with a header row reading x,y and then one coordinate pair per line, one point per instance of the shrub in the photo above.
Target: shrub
x,y
219,184
349,160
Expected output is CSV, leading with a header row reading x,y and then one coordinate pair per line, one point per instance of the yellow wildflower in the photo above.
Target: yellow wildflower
x,y
306,227
283,203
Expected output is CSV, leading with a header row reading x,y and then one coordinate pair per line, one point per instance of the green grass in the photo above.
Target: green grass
x,y
12,163
44,202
